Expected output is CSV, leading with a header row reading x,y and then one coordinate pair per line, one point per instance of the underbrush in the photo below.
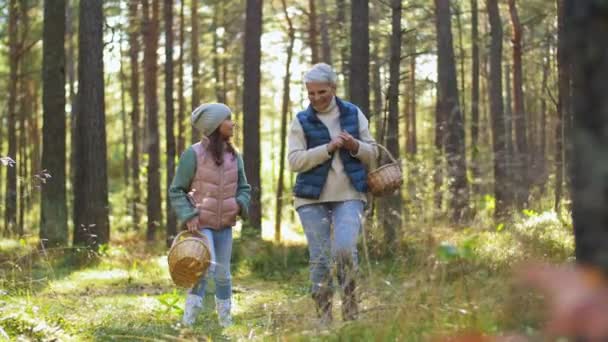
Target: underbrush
x,y
441,281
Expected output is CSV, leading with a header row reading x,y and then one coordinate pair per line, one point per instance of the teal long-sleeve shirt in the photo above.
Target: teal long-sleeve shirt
x,y
180,186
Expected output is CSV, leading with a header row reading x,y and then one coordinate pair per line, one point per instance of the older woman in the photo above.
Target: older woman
x,y
330,148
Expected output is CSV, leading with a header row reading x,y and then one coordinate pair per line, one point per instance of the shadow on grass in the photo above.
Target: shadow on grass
x,y
268,260
32,269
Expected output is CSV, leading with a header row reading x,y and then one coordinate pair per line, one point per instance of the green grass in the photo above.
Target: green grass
x,y
443,281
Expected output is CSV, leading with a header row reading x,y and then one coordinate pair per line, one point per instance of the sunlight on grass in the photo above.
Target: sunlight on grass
x,y
82,279
291,233
442,281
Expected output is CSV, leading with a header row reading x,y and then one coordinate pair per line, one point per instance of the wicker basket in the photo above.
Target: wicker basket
x,y
387,178
188,258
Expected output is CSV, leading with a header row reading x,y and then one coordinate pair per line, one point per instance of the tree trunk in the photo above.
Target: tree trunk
x,y
153,206
25,111
251,108
284,114
391,219
325,43
134,48
410,123
10,212
313,33
542,150
508,123
440,126
461,58
475,170
377,115
123,117
499,140
359,61
53,211
194,40
218,14
71,62
563,105
587,50
448,103
91,208
181,116
522,156
343,34
169,121
411,148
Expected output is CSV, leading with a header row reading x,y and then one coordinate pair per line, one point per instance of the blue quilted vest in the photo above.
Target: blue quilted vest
x,y
310,184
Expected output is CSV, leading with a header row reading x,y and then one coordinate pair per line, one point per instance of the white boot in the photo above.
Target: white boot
x,y
223,311
193,307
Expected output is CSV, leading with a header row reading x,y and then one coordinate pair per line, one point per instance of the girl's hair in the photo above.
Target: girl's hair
x,y
218,145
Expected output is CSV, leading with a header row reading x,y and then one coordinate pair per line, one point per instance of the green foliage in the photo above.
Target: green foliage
x,y
169,301
465,250
268,260
443,280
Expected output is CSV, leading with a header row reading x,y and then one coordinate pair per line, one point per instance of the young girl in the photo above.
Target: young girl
x,y
208,191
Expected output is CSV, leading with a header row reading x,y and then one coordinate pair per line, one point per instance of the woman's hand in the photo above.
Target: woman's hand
x,y
192,224
350,143
335,143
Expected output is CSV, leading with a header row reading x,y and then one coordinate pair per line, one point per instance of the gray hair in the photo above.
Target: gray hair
x,y
321,72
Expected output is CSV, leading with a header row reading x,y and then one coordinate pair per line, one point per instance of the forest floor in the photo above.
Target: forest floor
x,y
442,281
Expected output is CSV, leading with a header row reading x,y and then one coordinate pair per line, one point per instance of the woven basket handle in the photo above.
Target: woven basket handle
x,y
187,232
387,152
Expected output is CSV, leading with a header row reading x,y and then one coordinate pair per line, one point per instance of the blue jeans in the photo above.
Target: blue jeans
x,y
326,248
220,247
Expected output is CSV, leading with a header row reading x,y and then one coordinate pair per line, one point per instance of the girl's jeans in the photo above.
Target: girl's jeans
x,y
326,248
220,248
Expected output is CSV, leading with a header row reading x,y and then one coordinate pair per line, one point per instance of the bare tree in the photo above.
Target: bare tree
x,y
10,203
284,113
359,59
519,117
151,26
448,104
499,140
476,172
134,48
251,108
220,87
195,60
91,209
313,32
343,34
391,205
325,42
169,121
564,102
53,211
25,110
587,50
181,106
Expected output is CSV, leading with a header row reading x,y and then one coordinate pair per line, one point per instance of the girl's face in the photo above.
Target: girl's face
x,y
320,94
226,128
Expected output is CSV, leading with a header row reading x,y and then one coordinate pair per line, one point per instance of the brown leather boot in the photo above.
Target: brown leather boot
x,y
323,302
350,309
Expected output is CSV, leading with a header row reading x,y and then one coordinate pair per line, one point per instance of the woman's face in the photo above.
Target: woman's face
x,y
226,128
320,94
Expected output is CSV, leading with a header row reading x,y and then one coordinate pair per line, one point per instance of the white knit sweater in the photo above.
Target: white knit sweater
x,y
338,187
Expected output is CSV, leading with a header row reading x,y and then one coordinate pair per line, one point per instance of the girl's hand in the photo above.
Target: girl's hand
x,y
192,224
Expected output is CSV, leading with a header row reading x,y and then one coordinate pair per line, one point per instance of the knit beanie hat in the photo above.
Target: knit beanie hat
x,y
208,117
